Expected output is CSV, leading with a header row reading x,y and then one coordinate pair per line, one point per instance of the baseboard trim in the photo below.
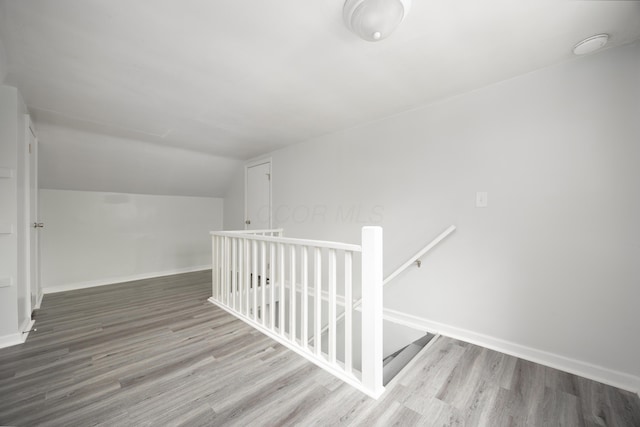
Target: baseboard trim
x,y
17,338
39,300
121,279
10,340
578,367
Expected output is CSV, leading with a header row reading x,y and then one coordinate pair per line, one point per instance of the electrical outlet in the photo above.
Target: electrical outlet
x,y
482,199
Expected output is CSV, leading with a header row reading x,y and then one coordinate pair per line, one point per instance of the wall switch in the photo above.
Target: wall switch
x,y
6,228
482,199
6,173
6,282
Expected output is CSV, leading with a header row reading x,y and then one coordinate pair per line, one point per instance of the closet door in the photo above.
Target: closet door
x,y
33,219
258,196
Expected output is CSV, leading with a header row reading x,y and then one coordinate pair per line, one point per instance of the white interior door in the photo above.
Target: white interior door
x,y
258,196
34,224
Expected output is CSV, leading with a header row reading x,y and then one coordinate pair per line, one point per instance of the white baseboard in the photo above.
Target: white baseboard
x,y
39,300
121,279
17,338
10,340
578,367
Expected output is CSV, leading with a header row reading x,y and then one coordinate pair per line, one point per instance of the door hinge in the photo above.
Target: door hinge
x,y
268,176
29,148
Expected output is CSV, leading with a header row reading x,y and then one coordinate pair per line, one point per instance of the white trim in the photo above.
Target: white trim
x,y
290,241
420,254
250,164
17,338
412,362
121,279
39,301
306,354
10,340
28,260
574,366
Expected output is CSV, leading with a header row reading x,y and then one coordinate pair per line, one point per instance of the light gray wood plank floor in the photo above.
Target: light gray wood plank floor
x,y
155,352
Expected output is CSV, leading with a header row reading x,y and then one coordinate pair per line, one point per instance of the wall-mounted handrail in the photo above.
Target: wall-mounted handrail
x,y
403,267
420,254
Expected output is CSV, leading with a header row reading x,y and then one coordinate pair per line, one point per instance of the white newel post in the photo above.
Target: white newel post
x,y
372,309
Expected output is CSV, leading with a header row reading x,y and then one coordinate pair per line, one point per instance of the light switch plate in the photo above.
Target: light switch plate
x,y
482,199
6,173
6,282
6,228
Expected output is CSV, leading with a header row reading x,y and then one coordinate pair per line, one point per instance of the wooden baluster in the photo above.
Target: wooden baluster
x,y
214,280
254,277
292,293
272,286
227,276
348,314
241,283
317,312
281,278
263,283
332,306
247,278
304,336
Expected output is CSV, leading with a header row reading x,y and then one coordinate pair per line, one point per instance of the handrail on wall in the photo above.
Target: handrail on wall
x,y
403,267
413,259
420,254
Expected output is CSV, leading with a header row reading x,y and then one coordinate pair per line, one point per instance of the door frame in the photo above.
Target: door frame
x,y
250,164
31,171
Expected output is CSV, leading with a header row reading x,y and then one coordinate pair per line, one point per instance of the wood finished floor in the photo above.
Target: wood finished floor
x,y
156,353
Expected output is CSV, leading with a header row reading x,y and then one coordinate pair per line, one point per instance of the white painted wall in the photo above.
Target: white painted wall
x,y
234,202
95,238
4,65
551,265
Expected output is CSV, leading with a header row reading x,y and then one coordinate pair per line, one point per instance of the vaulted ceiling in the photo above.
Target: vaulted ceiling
x,y
232,79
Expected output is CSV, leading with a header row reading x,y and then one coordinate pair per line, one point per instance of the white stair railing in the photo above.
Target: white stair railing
x,y
276,284
415,258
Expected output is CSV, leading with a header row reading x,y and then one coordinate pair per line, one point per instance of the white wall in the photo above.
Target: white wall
x,y
234,202
4,66
95,238
550,267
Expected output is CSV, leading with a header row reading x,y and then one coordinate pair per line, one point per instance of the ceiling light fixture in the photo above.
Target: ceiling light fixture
x,y
590,44
374,20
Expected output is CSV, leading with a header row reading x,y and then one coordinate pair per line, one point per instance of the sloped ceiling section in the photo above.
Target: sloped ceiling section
x,y
80,160
235,79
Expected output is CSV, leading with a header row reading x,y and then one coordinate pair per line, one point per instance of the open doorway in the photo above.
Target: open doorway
x,y
257,204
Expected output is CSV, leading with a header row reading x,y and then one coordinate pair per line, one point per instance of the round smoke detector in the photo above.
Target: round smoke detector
x,y
374,20
591,44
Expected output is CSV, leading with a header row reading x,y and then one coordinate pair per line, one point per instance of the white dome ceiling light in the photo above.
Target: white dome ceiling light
x,y
374,20
590,44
